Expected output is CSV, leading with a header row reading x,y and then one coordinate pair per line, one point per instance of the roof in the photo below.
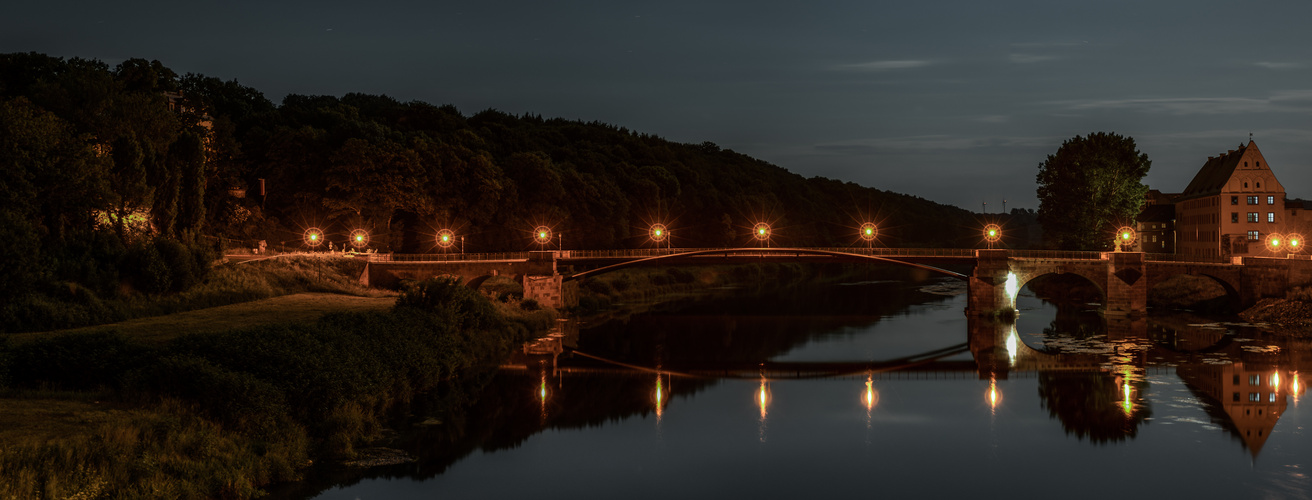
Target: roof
x,y
1161,212
1215,173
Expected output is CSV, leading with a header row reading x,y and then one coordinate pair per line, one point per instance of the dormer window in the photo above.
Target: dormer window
x,y
1245,184
1259,184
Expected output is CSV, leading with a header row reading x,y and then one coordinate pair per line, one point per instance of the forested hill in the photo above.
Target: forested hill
x,y
404,170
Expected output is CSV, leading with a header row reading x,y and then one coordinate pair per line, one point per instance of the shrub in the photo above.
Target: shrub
x,y
530,305
681,275
598,287
471,309
234,398
659,279
146,268
75,361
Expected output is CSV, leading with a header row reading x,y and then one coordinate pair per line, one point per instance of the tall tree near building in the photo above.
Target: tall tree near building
x,y
1088,188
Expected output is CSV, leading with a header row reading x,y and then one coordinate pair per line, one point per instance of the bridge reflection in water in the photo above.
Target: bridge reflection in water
x,y
1244,386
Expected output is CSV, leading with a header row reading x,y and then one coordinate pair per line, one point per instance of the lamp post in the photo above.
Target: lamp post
x,y
659,233
761,231
992,233
1124,238
868,233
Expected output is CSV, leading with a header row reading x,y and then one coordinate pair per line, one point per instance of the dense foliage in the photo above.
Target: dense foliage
x,y
1089,188
101,163
288,391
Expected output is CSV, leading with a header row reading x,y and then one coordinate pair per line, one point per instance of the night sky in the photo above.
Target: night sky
x,y
953,101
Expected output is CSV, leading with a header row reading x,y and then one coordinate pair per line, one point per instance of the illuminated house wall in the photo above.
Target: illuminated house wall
x,y
1232,203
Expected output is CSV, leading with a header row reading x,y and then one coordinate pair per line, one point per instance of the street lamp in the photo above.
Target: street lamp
x,y
313,237
761,231
1124,237
992,233
446,238
359,238
1294,242
542,235
1274,242
868,233
659,233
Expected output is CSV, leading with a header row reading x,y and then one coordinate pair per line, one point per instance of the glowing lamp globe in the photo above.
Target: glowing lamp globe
x,y
446,238
313,236
1125,234
992,233
869,231
359,238
761,231
659,232
1275,241
542,235
1294,242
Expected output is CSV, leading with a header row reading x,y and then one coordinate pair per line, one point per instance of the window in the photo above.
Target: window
x,y
1234,216
1253,396
1234,200
1259,184
1154,238
1235,397
1270,200
1271,398
1245,184
1254,235
1253,216
1252,200
1254,380
1270,216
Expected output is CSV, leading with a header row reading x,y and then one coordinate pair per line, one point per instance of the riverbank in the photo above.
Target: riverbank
x,y
221,414
1288,317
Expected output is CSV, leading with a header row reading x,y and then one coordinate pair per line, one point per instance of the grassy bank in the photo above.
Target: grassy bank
x,y
71,306
217,415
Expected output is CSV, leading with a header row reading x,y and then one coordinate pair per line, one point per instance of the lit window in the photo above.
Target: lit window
x,y
1254,236
1154,238
1252,200
1271,398
1270,216
1253,216
1254,380
1234,216
1270,200
1255,397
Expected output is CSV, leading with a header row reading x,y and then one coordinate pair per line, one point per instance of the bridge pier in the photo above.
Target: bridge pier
x,y
988,286
1127,285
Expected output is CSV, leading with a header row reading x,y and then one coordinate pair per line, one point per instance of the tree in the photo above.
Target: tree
x,y
1088,188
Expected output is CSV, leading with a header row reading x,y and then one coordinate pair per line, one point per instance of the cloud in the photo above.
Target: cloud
x,y
1298,101
1031,58
931,143
1278,65
884,65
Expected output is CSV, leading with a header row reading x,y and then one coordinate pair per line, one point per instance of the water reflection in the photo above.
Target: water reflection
x,y
1103,381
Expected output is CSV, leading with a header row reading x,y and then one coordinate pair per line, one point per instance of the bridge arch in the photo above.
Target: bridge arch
x,y
1233,297
1098,284
763,252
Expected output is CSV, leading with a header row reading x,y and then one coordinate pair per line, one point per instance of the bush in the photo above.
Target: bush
x,y
471,309
681,276
234,398
598,287
659,279
147,270
75,362
530,305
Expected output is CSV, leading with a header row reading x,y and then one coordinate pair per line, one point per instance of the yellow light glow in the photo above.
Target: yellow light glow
x,y
1012,287
542,235
1293,243
870,398
1294,387
994,395
1125,236
1126,403
658,232
660,395
314,237
359,237
1275,380
1275,242
869,231
761,231
763,397
1013,342
446,238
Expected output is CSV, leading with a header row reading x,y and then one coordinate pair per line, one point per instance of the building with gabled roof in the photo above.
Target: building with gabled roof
x,y
1231,204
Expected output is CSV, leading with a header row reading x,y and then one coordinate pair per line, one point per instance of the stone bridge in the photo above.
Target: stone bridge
x,y
1123,278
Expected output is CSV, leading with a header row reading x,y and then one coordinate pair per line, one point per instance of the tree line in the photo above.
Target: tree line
x,y
104,163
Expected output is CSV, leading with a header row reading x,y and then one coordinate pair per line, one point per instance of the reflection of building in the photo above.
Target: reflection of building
x,y
1250,398
1230,205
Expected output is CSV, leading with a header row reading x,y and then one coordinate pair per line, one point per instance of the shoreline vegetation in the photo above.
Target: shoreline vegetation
x,y
159,410
103,413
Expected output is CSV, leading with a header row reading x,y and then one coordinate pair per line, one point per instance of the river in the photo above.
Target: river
x,y
876,388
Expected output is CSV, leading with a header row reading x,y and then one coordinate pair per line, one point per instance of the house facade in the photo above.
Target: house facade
x,y
1230,206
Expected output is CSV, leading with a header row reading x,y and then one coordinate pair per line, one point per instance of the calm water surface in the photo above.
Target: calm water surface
x,y
875,389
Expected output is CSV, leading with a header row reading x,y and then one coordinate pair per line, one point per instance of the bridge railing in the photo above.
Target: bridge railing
x,y
446,257
1057,254
1170,257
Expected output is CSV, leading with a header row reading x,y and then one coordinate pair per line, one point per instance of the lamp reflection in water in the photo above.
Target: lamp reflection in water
x,y
1013,343
994,395
870,399
763,400
660,399
1295,388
